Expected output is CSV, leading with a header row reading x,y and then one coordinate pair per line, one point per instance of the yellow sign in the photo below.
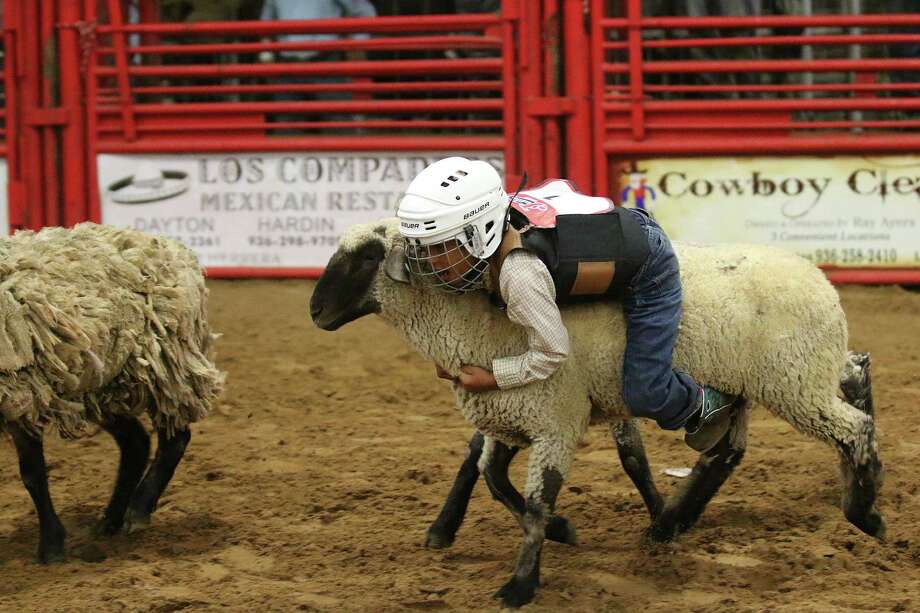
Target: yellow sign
x,y
840,211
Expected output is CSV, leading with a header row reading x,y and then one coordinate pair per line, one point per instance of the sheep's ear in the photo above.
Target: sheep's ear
x,y
397,266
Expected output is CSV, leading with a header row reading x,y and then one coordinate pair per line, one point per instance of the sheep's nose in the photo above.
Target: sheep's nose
x,y
316,309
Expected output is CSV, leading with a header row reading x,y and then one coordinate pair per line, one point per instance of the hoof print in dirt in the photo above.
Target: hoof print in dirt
x,y
90,553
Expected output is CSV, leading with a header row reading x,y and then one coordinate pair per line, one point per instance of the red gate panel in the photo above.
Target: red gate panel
x,y
741,88
201,99
552,87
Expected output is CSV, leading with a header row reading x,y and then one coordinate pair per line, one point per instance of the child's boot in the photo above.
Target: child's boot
x,y
707,427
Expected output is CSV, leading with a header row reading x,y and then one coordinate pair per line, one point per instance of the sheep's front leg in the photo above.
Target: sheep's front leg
x,y
443,530
169,453
134,446
635,463
494,463
34,475
549,462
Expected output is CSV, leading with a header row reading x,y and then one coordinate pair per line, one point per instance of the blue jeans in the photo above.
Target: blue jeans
x,y
652,304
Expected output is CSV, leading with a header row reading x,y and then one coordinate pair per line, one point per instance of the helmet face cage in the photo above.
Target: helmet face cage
x,y
448,265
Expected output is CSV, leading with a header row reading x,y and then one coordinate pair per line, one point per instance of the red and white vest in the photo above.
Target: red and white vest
x,y
591,247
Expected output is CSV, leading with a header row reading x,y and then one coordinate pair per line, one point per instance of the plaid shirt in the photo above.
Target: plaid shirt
x,y
528,291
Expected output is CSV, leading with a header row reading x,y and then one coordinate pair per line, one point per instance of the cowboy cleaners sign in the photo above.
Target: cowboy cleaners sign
x,y
844,211
259,210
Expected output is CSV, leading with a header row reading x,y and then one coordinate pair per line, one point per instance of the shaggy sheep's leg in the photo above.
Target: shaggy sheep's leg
x,y
494,463
134,445
34,475
635,463
712,469
549,461
862,480
442,531
147,494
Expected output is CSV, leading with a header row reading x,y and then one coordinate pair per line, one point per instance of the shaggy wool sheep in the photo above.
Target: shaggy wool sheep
x,y
757,322
101,325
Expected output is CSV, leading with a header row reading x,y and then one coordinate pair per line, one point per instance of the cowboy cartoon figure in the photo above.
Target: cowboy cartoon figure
x,y
634,195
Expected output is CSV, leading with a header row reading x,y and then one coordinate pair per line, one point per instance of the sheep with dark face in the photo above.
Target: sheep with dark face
x,y
757,322
855,386
100,326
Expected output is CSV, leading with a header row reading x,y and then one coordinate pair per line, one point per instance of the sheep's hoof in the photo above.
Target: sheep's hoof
x,y
660,532
872,523
107,527
881,528
50,555
438,540
135,522
517,592
561,530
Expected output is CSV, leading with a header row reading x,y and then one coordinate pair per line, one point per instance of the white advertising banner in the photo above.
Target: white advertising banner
x,y
4,200
840,211
262,210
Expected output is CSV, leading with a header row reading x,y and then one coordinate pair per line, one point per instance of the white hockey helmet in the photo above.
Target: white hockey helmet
x,y
452,218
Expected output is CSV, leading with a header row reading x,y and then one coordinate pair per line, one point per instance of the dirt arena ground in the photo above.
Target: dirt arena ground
x,y
313,485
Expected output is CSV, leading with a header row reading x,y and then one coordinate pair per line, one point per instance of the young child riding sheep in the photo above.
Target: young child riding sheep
x,y
755,321
462,232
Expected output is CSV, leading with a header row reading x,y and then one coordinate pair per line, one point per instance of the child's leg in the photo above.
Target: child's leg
x,y
651,387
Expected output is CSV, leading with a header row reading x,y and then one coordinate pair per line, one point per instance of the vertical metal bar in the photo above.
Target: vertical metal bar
x,y
50,82
634,42
552,145
531,87
510,13
11,31
121,65
601,180
73,144
808,54
577,52
149,11
31,141
855,54
94,209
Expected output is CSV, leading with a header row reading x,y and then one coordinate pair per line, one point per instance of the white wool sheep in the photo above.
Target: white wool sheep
x,y
100,326
757,322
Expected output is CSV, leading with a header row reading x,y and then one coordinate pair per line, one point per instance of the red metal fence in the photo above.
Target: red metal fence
x,y
556,88
421,83
650,105
743,86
